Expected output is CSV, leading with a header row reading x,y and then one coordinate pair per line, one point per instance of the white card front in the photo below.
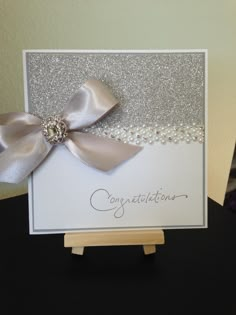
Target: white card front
x,y
164,185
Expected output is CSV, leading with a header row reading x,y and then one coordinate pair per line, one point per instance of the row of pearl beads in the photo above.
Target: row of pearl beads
x,y
147,134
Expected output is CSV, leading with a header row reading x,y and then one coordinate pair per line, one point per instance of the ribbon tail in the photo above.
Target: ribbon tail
x,y
101,153
21,158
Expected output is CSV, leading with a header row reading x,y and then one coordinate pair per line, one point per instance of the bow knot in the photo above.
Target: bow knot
x,y
26,140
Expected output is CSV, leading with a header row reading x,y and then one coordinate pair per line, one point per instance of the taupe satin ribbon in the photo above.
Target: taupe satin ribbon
x,y
23,146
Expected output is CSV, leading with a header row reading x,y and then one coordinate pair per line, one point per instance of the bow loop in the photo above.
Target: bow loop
x,y
14,126
90,104
21,158
21,119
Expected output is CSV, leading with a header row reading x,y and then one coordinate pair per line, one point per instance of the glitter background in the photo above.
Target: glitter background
x,y
161,88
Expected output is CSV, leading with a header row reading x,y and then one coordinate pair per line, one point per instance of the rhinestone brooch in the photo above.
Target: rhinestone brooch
x,y
54,129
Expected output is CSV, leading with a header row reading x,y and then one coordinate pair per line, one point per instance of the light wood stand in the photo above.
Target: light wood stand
x,y
147,238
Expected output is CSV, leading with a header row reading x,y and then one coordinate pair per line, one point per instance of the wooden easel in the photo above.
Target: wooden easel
x,y
147,238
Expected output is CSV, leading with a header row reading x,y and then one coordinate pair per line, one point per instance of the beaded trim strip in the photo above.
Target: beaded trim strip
x,y
150,135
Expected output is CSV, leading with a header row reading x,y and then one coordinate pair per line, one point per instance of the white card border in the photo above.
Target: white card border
x,y
205,144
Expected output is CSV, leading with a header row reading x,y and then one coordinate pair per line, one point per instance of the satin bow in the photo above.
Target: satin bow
x,y
23,146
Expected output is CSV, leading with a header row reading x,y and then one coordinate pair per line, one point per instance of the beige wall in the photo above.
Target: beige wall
x,y
129,24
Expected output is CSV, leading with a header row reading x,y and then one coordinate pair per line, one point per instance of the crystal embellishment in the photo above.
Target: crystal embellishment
x,y
54,129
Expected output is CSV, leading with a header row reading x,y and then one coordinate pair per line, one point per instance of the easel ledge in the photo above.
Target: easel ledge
x,y
147,238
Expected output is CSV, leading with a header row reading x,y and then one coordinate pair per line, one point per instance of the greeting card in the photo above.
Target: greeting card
x,y
110,140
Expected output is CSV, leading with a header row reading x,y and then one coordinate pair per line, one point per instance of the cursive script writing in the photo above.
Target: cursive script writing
x,y
118,204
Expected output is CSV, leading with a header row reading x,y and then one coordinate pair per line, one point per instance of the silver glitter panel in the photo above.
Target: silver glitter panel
x,y
152,88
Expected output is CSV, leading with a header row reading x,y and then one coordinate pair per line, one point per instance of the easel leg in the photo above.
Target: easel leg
x,y
78,250
151,238
149,249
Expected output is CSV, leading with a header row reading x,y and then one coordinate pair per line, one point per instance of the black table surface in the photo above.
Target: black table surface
x,y
193,273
